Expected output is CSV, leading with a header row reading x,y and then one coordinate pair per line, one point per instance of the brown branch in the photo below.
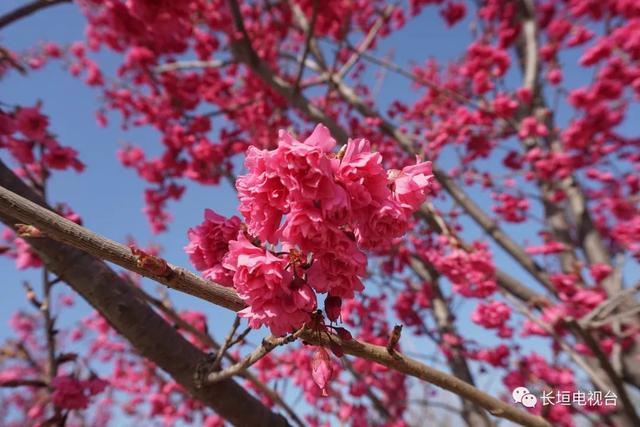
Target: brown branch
x,y
81,238
268,344
394,338
79,269
190,64
307,45
471,414
27,10
23,383
49,326
7,55
366,42
226,344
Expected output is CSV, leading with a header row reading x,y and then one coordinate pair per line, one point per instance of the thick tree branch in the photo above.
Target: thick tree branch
x,y
27,10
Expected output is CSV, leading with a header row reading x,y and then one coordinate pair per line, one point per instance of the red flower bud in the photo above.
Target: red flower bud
x,y
332,307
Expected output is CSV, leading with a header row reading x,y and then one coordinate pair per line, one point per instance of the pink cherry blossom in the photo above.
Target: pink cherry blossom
x,y
491,315
263,197
25,256
209,243
361,173
31,123
412,185
321,369
262,280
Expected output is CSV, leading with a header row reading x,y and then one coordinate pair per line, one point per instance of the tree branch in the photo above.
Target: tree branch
x,y
190,64
307,45
268,344
23,383
366,42
27,10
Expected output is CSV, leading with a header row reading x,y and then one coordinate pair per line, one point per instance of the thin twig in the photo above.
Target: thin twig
x,y
241,336
191,64
226,344
307,45
366,42
267,345
7,55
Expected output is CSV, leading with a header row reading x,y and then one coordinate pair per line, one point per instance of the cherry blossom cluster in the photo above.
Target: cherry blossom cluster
x,y
71,393
310,213
24,134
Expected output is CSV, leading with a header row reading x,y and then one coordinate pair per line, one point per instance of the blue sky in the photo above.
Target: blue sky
x,y
109,197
